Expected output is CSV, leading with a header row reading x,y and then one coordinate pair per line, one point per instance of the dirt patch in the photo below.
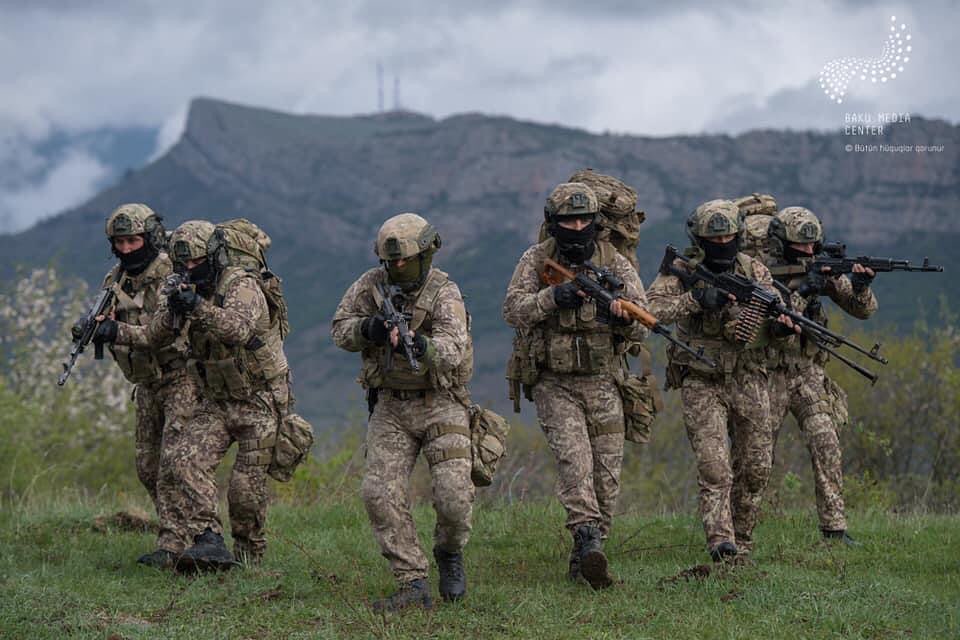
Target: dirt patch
x,y
698,572
270,594
136,520
733,594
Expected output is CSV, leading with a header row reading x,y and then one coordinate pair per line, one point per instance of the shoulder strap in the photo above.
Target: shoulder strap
x,y
746,264
428,296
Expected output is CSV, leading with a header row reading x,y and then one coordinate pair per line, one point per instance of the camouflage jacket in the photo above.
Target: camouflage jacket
x,y
236,347
570,340
137,299
712,329
437,312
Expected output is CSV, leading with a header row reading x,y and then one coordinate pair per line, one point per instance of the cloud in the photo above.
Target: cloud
x,y
645,68
73,178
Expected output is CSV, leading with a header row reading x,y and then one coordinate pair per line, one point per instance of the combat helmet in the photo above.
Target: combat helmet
x,y
712,219
796,225
571,199
404,237
135,219
189,241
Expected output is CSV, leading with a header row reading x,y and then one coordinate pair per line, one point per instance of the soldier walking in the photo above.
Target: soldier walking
x,y
416,391
578,351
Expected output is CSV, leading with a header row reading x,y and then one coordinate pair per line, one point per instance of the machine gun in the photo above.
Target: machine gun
x,y
394,318
604,290
84,330
834,256
758,304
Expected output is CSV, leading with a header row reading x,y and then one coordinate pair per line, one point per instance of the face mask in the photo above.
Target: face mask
x,y
201,275
138,260
720,256
793,255
410,276
575,246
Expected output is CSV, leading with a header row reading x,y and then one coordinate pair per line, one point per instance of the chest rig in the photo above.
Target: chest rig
x,y
235,371
420,306
137,299
575,340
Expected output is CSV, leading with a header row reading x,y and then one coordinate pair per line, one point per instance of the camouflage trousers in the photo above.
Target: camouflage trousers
x,y
582,419
191,473
802,392
161,412
728,423
398,430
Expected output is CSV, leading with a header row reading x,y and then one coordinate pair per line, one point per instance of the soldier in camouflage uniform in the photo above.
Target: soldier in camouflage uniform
x,y
798,383
725,410
413,411
577,353
164,392
243,376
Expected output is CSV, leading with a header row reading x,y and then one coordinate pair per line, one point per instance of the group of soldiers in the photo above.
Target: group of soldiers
x,y
207,360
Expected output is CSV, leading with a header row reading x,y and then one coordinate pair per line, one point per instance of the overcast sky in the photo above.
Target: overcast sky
x,y
608,65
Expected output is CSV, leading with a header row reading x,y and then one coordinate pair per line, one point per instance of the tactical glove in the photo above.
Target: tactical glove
x,y
375,330
419,345
567,296
861,281
183,301
106,332
710,297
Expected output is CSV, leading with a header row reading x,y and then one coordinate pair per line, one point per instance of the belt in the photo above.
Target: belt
x,y
399,394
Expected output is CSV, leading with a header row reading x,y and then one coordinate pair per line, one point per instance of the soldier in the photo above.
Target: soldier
x,y
798,383
413,410
243,376
580,349
164,392
729,401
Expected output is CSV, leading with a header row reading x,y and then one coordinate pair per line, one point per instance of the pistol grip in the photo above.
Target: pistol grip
x,y
98,351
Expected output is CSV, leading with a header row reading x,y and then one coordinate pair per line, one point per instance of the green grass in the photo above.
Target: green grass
x,y
59,577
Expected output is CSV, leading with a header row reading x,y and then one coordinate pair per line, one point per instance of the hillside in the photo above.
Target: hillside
x,y
322,185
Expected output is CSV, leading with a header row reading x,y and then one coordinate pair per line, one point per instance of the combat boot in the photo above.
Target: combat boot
x,y
722,551
413,593
841,535
453,579
573,573
159,559
208,553
593,562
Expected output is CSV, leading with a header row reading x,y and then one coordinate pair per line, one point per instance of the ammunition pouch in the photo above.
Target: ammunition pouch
x,y
294,440
524,364
488,444
223,379
580,353
641,404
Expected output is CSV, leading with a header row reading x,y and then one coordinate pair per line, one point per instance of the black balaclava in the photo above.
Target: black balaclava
x,y
202,276
719,257
136,262
575,246
794,256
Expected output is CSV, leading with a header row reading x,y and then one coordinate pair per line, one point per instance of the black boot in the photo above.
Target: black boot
x,y
208,553
453,579
413,593
159,559
722,551
573,573
841,535
593,563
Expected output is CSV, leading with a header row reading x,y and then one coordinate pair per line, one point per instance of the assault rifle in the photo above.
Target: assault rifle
x,y
175,282
394,318
758,303
834,256
605,289
84,330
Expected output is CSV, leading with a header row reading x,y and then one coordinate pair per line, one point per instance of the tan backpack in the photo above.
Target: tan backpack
x,y
757,210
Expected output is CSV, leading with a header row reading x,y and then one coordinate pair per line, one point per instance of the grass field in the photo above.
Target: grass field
x,y
62,575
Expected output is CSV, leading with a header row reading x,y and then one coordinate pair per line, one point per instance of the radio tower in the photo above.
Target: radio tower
x,y
379,88
396,93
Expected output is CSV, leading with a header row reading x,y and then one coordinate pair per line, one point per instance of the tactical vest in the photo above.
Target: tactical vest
x,y
713,329
235,371
137,298
575,341
401,377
